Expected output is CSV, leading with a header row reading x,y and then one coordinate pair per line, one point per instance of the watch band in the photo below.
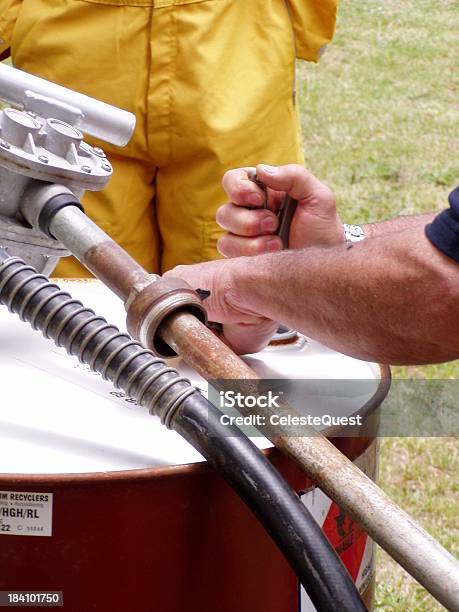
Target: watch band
x,y
353,233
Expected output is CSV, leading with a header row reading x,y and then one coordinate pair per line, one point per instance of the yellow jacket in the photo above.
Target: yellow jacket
x,y
313,21
313,26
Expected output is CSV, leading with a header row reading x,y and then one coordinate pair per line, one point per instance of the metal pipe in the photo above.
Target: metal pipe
x,y
202,350
98,119
97,251
412,547
390,526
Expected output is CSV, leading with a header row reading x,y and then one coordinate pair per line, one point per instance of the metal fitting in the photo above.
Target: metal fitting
x,y
98,151
36,201
49,149
50,100
148,306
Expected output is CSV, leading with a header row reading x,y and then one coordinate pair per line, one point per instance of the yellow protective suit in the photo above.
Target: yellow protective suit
x,y
212,83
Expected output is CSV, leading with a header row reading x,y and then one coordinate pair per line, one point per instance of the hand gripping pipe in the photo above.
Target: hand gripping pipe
x,y
183,333
181,407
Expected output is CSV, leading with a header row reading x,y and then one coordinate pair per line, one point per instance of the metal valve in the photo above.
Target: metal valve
x,y
41,139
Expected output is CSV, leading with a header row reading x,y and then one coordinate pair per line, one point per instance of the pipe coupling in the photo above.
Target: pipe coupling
x,y
148,306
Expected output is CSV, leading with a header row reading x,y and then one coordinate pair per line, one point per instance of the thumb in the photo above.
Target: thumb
x,y
294,179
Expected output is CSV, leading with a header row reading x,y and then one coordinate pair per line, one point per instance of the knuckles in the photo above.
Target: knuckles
x,y
220,215
222,246
253,221
238,190
257,246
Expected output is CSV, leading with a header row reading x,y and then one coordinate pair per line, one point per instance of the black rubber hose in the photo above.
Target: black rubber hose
x,y
274,503
179,405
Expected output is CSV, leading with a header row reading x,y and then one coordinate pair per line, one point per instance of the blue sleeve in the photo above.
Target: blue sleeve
x,y
443,232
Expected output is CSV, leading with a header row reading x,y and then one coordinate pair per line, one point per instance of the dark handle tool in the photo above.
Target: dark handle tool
x,y
285,214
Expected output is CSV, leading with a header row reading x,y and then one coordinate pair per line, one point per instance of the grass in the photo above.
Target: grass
x,y
420,474
380,117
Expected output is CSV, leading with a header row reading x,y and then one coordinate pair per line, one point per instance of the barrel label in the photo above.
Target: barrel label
x,y
26,513
349,540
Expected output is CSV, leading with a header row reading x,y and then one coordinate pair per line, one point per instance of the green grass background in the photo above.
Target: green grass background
x,y
380,117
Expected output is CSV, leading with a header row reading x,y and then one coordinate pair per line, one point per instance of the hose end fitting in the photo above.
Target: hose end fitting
x,y
42,201
149,305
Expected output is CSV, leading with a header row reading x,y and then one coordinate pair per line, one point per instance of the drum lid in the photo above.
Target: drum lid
x,y
56,416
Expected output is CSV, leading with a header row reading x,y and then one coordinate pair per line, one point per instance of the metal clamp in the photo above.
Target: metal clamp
x,y
148,306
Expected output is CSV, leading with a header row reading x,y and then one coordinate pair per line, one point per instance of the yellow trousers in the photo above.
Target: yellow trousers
x,y
211,82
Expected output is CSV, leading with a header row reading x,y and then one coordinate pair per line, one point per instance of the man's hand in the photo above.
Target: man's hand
x,y
244,330
251,227
252,230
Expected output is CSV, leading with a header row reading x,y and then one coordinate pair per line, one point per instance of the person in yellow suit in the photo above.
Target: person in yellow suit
x,y
212,84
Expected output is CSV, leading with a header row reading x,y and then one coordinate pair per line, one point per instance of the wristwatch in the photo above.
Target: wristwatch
x,y
353,233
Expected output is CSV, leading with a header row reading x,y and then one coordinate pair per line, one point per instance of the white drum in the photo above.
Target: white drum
x,y
57,416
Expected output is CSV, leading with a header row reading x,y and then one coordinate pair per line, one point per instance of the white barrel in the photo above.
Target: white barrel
x,y
57,416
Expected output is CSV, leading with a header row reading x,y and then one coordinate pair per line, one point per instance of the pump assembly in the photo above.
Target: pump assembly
x,y
45,168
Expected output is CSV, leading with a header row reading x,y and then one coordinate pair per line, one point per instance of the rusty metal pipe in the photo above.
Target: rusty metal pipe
x,y
202,350
147,297
97,251
390,526
120,278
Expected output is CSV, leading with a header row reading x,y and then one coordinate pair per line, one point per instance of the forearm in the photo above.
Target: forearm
x,y
393,299
398,224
